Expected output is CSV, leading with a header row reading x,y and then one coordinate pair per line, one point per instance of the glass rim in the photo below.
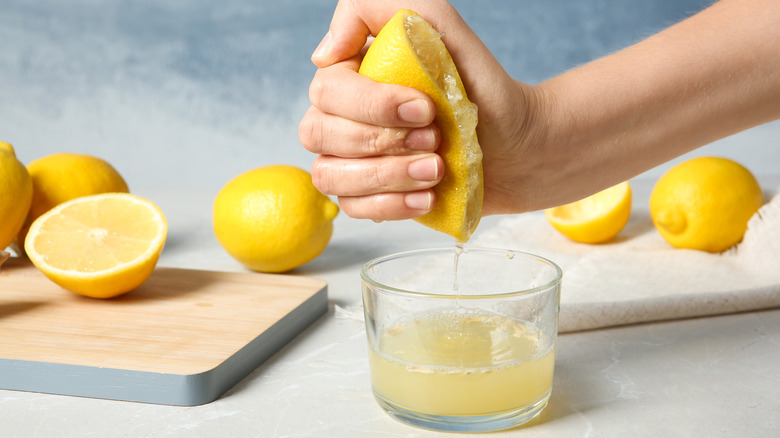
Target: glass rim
x,y
378,260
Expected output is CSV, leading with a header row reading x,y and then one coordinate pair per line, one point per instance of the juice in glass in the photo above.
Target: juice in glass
x,y
463,364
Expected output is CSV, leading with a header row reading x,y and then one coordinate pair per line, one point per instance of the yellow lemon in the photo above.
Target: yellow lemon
x,y
408,51
100,246
5,146
273,219
64,176
61,177
595,219
15,195
705,203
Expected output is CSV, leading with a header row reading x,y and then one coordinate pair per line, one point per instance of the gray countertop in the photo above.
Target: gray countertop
x,y
715,376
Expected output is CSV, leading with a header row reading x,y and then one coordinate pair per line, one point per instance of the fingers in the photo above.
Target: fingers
x,y
376,144
349,30
377,175
354,116
326,134
380,188
340,91
388,206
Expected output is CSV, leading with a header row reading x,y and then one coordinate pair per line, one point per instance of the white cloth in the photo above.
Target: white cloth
x,y
638,277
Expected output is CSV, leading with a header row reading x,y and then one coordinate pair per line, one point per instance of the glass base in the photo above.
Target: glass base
x,y
468,423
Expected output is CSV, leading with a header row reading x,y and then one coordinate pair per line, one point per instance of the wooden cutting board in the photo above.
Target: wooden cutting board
x,y
183,338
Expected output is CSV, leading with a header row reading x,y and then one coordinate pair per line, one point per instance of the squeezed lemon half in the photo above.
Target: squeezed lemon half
x,y
408,51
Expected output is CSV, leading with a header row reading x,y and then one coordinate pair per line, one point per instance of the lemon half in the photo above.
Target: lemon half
x,y
100,246
408,51
595,219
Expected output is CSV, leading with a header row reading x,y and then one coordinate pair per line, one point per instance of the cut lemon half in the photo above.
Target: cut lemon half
x,y
595,219
100,246
408,51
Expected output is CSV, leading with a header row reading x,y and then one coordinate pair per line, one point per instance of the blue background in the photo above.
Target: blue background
x,y
192,93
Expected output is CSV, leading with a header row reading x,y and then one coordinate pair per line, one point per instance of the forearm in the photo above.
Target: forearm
x,y
705,78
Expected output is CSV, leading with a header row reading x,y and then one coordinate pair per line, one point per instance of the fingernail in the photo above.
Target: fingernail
x,y
425,169
322,48
422,139
415,111
419,200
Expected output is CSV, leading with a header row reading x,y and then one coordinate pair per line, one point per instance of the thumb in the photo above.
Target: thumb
x,y
350,27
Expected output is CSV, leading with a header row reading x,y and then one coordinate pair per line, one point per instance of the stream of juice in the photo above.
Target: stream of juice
x,y
458,252
461,363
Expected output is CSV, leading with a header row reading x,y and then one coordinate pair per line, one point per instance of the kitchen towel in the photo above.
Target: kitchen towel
x,y
638,277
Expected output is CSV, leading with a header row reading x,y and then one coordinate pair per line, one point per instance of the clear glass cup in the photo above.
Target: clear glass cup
x,y
465,351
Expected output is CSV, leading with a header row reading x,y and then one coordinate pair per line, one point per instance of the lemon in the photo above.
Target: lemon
x,y
64,176
61,177
408,51
15,195
100,246
4,146
595,219
705,203
273,219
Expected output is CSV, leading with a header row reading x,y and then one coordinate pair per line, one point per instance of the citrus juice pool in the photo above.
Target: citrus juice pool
x,y
462,363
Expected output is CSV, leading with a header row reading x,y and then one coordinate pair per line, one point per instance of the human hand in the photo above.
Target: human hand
x,y
377,141
545,145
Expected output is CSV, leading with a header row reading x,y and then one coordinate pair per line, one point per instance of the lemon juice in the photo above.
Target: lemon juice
x,y
462,363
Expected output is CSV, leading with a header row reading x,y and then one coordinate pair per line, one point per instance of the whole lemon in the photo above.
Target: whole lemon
x,y
61,177
273,219
705,203
15,195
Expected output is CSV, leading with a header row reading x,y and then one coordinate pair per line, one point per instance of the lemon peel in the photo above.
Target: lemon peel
x,y
16,191
273,219
705,203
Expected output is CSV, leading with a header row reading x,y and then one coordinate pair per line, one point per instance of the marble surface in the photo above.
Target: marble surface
x,y
713,377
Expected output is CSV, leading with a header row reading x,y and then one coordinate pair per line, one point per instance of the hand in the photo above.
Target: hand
x,y
566,138
376,142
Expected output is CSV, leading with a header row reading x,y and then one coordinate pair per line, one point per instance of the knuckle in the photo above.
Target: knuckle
x,y
306,133
317,89
372,142
379,108
321,177
373,176
311,131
